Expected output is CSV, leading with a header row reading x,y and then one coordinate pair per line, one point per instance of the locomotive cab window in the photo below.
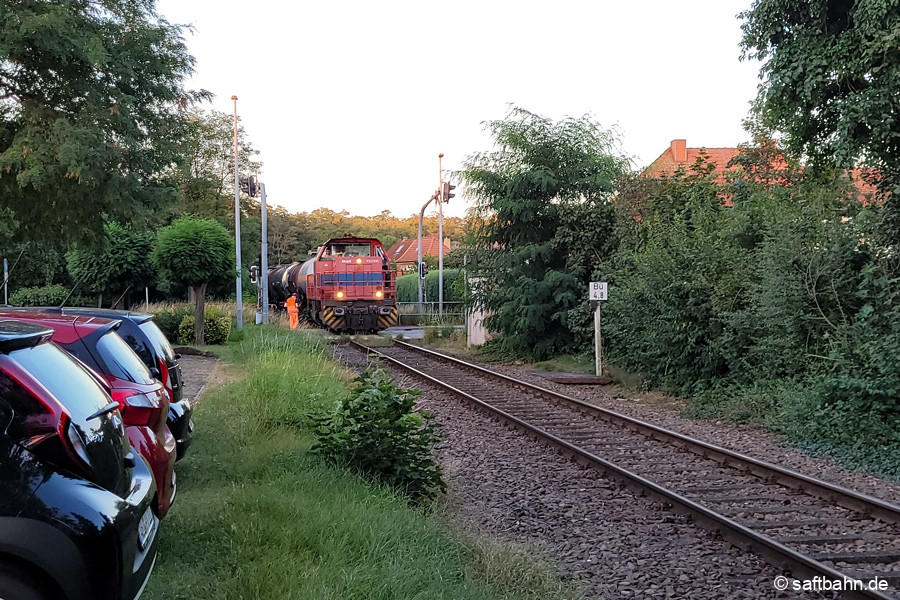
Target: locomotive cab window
x,y
347,249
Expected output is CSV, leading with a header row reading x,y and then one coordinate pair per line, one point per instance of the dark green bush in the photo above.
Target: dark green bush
x,y
168,319
47,295
377,432
215,329
454,287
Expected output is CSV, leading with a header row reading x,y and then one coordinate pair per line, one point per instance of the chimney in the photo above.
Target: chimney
x,y
679,150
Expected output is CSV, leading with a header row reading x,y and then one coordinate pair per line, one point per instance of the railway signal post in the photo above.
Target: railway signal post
x,y
597,293
264,255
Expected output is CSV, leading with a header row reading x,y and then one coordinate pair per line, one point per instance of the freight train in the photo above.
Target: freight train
x,y
348,287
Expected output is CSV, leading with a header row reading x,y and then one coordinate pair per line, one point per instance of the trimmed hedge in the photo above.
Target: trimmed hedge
x,y
215,329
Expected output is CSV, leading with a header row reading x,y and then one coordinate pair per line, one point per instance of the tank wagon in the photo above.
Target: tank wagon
x,y
348,287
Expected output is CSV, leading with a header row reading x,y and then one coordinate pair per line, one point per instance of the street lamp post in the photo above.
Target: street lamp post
x,y
237,224
440,237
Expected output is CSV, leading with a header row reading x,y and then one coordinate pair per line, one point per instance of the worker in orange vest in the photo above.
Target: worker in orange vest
x,y
293,311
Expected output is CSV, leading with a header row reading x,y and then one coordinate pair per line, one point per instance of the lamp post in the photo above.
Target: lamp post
x,y
237,224
440,237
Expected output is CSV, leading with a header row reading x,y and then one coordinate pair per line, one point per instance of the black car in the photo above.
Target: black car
x,y
76,520
149,342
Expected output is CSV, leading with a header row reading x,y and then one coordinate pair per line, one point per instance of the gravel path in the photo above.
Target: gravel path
x,y
622,545
196,372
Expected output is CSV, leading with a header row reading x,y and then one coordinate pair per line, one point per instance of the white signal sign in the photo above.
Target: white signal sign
x,y
597,290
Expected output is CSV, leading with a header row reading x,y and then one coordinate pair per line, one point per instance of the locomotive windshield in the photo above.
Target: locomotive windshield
x,y
338,249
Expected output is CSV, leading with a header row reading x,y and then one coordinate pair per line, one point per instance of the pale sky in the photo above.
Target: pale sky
x,y
350,103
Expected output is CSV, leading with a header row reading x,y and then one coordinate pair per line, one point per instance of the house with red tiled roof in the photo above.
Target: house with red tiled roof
x,y
679,155
406,252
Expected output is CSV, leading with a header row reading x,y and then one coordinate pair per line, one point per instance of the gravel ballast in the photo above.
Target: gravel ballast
x,y
745,439
622,545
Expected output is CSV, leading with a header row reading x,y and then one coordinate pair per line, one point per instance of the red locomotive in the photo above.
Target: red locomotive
x,y
348,286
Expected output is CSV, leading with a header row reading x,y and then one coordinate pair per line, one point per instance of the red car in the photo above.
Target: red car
x,y
142,400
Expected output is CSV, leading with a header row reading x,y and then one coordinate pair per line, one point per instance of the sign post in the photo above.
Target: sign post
x,y
597,293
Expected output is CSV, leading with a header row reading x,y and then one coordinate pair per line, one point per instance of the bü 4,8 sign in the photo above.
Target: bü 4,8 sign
x,y
597,290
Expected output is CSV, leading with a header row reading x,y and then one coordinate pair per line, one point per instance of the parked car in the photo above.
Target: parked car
x,y
142,399
76,514
148,341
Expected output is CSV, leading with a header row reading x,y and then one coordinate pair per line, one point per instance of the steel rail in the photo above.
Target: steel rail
x,y
782,557
874,507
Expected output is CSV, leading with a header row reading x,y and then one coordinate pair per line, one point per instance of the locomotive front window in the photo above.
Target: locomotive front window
x,y
348,249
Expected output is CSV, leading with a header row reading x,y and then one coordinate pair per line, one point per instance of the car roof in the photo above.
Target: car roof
x,y
108,313
15,335
65,328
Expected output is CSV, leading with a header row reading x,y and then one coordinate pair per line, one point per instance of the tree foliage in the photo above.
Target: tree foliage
x,y
541,222
205,173
830,71
91,97
121,262
760,294
192,252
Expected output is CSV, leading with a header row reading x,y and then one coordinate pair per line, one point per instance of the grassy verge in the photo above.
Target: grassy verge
x,y
258,518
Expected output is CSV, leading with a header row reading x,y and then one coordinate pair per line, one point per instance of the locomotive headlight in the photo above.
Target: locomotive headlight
x,y
359,261
379,294
340,294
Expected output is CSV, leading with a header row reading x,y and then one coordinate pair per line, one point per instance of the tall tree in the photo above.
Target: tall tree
x,y
91,98
118,265
192,252
830,72
535,193
206,170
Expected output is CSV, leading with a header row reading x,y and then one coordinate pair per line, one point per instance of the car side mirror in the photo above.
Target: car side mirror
x,y
155,372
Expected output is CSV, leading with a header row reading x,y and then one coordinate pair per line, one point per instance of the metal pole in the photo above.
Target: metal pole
x,y
237,224
5,281
263,278
440,237
597,347
418,277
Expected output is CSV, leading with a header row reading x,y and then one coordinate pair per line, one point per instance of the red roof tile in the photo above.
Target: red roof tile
x,y
678,154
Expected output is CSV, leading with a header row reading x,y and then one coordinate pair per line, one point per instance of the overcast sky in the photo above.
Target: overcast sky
x,y
350,103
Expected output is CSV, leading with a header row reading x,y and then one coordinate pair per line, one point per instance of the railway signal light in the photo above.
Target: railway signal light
x,y
249,186
423,270
447,191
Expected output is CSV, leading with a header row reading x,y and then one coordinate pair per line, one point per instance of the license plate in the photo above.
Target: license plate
x,y
146,528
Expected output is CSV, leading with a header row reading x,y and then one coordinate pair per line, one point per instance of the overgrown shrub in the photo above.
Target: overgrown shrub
x,y
454,286
779,308
215,329
377,432
170,317
47,295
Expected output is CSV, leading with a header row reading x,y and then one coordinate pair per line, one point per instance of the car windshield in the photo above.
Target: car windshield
x,y
65,378
160,344
120,359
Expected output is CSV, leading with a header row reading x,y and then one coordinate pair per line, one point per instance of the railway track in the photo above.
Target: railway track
x,y
806,527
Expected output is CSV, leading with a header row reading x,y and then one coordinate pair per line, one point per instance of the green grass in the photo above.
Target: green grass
x,y
258,518
571,363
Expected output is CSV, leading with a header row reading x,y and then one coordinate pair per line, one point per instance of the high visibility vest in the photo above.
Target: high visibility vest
x,y
291,303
